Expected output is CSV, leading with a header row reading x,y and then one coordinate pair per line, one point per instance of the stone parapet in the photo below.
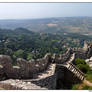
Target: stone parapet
x,y
23,69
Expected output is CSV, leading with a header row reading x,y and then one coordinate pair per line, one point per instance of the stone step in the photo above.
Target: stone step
x,y
76,71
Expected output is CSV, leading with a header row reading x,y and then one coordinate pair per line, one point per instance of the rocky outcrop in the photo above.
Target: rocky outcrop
x,y
6,63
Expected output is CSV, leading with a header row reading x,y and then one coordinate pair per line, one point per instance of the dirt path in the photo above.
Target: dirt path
x,y
88,83
49,72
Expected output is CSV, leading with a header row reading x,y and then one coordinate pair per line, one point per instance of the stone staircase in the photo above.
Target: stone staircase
x,y
75,71
71,67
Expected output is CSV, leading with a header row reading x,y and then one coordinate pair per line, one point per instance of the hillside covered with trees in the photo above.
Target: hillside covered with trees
x,y
26,44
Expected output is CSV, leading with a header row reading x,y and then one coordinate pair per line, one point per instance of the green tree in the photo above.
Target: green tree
x,y
29,56
19,53
83,67
79,61
81,64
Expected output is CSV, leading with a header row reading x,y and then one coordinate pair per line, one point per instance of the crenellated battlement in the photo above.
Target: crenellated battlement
x,y
23,69
28,69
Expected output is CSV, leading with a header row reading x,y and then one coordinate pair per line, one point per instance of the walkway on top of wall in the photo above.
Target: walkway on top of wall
x,y
71,58
43,81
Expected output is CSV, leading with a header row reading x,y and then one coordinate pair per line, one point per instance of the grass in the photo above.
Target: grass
x,y
85,87
75,87
88,76
81,87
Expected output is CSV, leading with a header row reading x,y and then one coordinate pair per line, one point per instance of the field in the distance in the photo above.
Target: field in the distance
x,y
82,25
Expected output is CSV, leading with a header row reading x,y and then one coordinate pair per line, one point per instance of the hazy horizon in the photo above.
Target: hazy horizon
x,y
44,10
46,18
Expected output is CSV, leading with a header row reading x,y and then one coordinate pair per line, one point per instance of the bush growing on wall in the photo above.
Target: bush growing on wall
x,y
81,64
79,61
83,67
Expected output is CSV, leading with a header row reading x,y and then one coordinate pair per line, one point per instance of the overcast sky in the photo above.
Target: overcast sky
x,y
43,10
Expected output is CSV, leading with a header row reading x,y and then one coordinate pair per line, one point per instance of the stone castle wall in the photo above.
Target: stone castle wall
x,y
85,52
62,57
24,69
28,69
65,79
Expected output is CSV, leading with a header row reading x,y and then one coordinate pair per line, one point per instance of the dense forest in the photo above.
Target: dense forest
x,y
23,43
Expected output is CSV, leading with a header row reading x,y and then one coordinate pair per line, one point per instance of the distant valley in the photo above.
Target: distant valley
x,y
82,25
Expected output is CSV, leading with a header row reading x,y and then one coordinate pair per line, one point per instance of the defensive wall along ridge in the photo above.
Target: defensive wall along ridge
x,y
51,71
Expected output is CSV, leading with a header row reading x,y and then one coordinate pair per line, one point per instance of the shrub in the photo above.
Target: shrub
x,y
84,68
79,61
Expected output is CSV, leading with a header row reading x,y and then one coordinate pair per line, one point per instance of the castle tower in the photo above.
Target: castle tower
x,y
88,49
85,46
